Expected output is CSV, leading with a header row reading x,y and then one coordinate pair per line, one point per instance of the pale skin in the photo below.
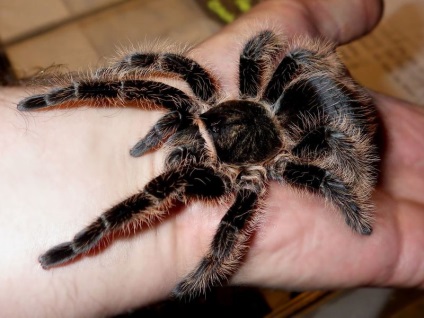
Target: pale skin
x,y
60,169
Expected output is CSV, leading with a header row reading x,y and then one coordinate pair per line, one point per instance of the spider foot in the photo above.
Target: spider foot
x,y
198,282
227,250
354,208
160,132
82,242
32,102
188,289
357,219
57,255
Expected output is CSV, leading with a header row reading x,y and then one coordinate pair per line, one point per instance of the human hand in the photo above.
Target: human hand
x,y
310,249
80,162
301,245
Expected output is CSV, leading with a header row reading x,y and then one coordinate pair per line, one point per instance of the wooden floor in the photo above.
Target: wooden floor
x,y
78,33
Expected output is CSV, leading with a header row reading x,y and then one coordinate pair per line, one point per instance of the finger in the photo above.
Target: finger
x,y
402,149
344,21
336,20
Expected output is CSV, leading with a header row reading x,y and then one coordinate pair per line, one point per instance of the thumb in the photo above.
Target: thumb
x,y
340,21
344,21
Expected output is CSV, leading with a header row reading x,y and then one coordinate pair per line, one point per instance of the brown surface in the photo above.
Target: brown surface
x,y
79,34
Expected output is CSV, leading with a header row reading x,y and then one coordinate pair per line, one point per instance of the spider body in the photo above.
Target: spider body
x,y
242,132
298,119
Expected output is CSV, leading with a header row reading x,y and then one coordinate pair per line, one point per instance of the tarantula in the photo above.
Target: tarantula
x,y
299,119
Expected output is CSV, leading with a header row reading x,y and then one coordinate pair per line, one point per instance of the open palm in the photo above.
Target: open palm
x,y
60,171
301,243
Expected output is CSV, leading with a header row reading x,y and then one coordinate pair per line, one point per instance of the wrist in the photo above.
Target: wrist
x,y
60,169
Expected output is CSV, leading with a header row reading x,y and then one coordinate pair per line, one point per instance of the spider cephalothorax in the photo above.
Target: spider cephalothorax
x,y
299,119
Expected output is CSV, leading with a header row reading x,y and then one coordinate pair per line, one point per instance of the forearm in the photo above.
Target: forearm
x,y
69,165
59,169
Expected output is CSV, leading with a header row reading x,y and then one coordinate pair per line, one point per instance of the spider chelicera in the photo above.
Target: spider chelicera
x,y
299,119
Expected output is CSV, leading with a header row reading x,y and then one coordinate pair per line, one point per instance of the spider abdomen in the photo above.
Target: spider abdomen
x,y
243,132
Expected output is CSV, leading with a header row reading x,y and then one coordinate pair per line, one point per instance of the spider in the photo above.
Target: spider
x,y
299,120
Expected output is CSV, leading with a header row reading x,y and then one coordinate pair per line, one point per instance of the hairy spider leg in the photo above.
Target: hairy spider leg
x,y
320,181
335,143
165,127
321,97
295,62
187,148
203,85
169,97
286,70
315,143
126,90
323,101
150,204
321,93
257,56
228,247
